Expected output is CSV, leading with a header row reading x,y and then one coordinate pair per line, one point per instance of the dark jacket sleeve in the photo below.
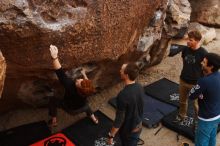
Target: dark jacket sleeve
x,y
175,49
64,80
197,91
119,119
120,113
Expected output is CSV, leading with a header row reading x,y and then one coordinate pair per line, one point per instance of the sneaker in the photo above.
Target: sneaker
x,y
94,119
178,119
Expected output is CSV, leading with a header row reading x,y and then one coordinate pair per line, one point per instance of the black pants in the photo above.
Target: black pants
x,y
55,103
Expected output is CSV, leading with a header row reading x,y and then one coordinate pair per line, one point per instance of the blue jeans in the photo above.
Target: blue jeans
x,y
206,133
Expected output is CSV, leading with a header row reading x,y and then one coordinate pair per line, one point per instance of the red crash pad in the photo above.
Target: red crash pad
x,y
55,139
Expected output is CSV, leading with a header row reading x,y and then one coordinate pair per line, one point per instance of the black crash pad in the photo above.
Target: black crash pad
x,y
164,90
24,135
154,110
86,133
186,127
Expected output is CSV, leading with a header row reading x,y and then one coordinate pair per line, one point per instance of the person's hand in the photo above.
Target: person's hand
x,y
83,71
110,141
53,51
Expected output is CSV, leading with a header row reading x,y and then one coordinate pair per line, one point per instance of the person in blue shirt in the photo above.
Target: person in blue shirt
x,y
207,91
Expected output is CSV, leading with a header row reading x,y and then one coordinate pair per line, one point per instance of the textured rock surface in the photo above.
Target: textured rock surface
x,y
171,20
2,72
150,41
97,34
206,12
178,17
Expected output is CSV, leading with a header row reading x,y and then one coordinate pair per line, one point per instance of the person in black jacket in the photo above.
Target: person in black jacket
x,y
130,104
76,92
192,56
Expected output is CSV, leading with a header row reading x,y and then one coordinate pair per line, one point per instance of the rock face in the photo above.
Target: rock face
x,y
178,18
206,12
171,20
98,34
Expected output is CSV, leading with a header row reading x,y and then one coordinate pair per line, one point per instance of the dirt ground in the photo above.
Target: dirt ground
x,y
170,68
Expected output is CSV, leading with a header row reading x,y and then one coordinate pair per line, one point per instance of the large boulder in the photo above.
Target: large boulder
x,y
178,18
206,12
171,20
100,35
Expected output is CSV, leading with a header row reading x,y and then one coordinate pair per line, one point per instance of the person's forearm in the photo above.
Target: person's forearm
x,y
119,119
113,131
111,135
56,64
85,76
120,115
